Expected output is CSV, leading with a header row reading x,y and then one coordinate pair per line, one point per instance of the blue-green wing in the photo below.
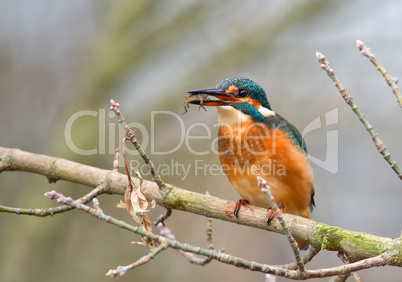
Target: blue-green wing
x,y
278,121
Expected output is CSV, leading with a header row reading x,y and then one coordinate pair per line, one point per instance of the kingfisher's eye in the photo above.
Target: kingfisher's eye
x,y
243,93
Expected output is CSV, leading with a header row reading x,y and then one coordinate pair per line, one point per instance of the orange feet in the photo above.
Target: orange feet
x,y
239,203
271,215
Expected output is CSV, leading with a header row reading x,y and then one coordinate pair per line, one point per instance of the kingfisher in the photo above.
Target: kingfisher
x,y
253,140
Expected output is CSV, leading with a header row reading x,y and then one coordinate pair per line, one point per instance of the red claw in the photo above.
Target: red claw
x,y
271,215
239,203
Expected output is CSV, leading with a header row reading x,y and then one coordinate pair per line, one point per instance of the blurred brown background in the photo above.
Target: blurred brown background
x,y
58,58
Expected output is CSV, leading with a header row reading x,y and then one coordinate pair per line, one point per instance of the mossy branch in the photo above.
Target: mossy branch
x,y
356,245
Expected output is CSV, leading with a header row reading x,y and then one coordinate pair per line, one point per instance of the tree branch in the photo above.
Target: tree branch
x,y
164,243
356,245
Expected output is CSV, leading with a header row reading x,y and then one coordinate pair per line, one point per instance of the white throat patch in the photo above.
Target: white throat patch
x,y
230,115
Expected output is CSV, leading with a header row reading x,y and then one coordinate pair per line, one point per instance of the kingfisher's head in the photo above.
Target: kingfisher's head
x,y
237,96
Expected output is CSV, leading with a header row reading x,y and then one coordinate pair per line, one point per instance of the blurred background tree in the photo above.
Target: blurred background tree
x,y
61,57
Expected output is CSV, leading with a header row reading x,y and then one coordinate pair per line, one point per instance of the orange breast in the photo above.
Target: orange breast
x,y
251,149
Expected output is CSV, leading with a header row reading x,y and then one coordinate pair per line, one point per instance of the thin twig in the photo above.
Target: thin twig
x,y
209,231
391,81
56,210
380,260
345,260
116,160
130,134
121,270
349,100
191,257
278,214
209,234
311,253
96,205
161,219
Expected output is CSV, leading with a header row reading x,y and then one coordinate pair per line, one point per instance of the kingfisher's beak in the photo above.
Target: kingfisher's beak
x,y
202,97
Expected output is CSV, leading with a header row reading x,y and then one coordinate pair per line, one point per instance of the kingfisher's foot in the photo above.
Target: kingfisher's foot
x,y
239,203
271,215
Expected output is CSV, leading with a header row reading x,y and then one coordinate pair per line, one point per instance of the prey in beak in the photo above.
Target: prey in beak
x,y
209,97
